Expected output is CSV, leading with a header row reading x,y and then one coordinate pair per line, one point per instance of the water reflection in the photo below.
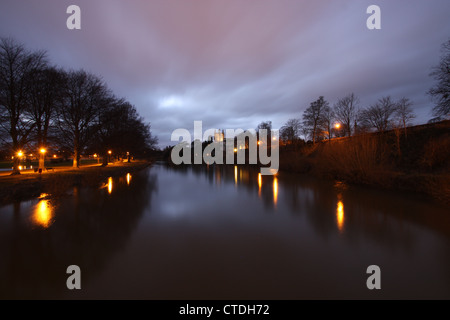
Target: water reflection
x,y
275,191
43,213
340,215
110,185
208,233
128,178
259,184
87,229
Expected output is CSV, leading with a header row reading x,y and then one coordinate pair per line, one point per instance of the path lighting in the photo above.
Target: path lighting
x,y
42,150
109,151
20,154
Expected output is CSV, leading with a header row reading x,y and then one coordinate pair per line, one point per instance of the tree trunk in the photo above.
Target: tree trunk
x,y
16,163
76,150
76,158
41,160
105,159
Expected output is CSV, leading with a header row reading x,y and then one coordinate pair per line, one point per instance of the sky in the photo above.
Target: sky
x,y
235,63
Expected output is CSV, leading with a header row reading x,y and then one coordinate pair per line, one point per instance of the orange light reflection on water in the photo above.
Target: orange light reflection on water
x,y
259,184
275,190
43,213
110,185
340,215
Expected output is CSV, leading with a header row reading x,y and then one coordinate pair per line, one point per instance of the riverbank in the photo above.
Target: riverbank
x,y
417,160
58,182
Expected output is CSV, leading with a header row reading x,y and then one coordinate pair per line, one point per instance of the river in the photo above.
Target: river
x,y
225,233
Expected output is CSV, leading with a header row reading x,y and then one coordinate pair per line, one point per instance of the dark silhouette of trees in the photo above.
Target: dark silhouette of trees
x,y
313,117
83,99
264,125
122,130
291,130
441,91
43,95
379,115
328,117
16,63
42,107
403,113
346,112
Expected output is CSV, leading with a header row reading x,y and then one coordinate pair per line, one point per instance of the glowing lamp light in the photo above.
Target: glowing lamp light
x,y
235,149
337,125
340,215
54,156
95,155
42,150
20,153
109,151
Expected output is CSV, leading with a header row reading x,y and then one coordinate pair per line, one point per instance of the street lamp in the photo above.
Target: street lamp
x,y
109,152
42,159
337,125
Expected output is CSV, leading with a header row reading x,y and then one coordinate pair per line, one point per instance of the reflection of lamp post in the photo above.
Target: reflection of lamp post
x,y
42,152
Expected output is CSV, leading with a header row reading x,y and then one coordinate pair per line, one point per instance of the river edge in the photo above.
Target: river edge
x,y
28,186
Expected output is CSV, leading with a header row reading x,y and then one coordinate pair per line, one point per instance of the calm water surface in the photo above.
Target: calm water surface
x,y
224,233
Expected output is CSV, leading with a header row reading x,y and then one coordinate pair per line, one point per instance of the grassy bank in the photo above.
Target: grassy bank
x,y
418,160
56,183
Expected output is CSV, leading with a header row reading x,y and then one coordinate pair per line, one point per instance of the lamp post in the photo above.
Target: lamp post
x,y
42,152
337,126
109,155
20,156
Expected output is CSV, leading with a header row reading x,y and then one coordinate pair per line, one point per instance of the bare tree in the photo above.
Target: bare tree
x,y
441,91
313,116
327,121
83,99
346,112
121,129
404,113
290,130
16,63
43,95
266,125
379,115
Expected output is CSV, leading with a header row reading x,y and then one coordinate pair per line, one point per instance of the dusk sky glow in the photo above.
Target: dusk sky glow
x,y
235,63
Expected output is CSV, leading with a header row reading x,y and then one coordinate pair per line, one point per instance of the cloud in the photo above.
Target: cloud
x,y
235,63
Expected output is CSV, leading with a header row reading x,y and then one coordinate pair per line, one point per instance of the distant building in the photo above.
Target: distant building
x,y
218,136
